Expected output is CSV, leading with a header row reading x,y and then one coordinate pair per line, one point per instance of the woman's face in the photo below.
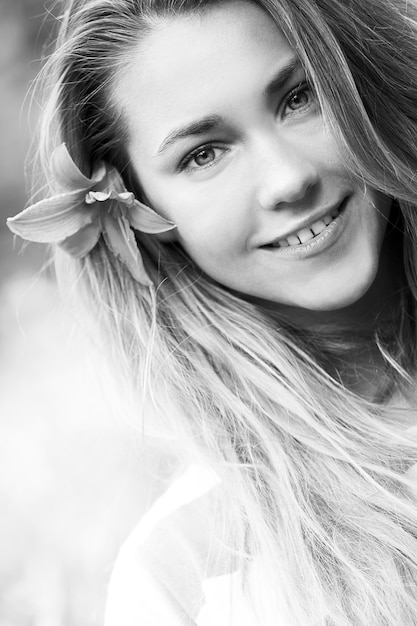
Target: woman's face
x,y
227,140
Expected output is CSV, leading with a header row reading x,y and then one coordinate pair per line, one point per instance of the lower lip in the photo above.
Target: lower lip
x,y
322,242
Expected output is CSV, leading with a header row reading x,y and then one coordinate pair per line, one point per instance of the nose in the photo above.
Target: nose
x,y
287,174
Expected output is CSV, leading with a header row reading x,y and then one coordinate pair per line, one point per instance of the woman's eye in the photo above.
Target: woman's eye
x,y
300,98
205,156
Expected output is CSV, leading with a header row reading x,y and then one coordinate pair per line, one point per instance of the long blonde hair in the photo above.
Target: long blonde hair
x,y
313,474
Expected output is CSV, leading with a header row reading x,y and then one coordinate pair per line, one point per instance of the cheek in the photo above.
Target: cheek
x,y
378,216
211,242
211,228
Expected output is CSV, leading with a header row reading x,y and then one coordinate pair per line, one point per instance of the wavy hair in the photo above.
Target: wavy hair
x,y
313,474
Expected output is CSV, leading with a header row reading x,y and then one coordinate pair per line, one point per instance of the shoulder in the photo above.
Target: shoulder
x,y
174,570
160,570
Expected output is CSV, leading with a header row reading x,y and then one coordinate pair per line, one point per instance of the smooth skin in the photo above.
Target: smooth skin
x,y
263,163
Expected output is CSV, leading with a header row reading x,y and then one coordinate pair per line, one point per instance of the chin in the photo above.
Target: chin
x,y
336,303
343,292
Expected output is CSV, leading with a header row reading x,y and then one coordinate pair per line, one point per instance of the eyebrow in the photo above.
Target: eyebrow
x,y
200,127
282,77
213,122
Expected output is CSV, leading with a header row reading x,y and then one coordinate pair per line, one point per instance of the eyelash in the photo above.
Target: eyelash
x,y
301,88
184,164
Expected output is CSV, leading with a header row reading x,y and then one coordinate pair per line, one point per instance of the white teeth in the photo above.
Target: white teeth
x,y
293,240
317,227
305,234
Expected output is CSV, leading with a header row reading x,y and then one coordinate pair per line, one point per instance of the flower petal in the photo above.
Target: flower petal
x,y
147,220
126,197
66,174
80,244
53,219
114,182
121,241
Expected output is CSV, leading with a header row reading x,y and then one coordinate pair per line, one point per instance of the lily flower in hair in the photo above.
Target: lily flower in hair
x,y
85,208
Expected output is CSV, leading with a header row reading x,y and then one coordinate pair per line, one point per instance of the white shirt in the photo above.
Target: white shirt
x,y
162,576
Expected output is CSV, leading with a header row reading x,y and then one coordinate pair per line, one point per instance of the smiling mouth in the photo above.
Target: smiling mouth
x,y
307,234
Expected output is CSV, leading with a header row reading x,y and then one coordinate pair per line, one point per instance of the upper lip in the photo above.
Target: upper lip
x,y
306,222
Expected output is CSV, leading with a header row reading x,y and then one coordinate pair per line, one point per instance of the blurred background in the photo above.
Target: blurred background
x,y
72,483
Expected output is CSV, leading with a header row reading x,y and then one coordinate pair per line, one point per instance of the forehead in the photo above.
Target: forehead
x,y
195,65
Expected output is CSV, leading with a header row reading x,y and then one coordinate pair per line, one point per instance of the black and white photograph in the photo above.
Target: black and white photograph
x,y
208,297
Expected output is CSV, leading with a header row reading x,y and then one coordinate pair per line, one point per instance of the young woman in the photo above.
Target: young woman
x,y
232,185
